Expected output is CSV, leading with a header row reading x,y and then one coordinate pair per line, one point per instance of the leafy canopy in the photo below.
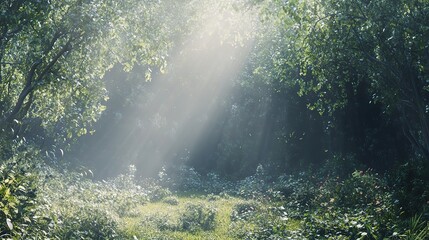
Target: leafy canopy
x,y
53,55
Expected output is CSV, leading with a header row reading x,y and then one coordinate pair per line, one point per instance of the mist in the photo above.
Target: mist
x,y
181,112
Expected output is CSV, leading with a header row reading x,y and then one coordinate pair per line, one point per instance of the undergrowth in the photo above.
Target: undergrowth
x,y
42,202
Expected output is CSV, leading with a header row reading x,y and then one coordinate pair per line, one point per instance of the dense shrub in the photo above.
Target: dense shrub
x,y
187,180
362,189
41,202
18,187
197,216
298,190
172,200
341,166
244,210
157,193
73,206
347,224
251,220
214,184
415,229
411,184
358,207
161,222
84,222
256,186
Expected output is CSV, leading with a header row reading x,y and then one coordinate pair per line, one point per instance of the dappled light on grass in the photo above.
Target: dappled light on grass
x,y
301,206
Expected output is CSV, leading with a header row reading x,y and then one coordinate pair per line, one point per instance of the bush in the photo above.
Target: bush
x,y
362,189
416,229
252,220
255,186
212,197
341,166
188,180
157,193
18,187
85,222
359,207
244,210
73,206
197,216
215,185
171,200
299,190
160,221
411,184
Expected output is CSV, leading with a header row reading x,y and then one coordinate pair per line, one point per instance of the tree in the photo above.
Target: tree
x,y
53,55
346,50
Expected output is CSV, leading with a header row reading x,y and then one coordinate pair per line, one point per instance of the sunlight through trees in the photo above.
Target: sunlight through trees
x,y
203,119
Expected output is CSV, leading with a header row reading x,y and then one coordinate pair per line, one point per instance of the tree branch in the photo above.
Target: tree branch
x,y
30,84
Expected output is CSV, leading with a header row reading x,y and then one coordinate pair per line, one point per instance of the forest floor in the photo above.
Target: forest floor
x,y
160,219
72,205
165,220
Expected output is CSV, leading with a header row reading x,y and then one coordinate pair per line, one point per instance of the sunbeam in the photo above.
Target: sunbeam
x,y
175,108
200,75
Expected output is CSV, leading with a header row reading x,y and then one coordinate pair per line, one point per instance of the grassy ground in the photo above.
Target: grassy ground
x,y
235,218
160,219
71,206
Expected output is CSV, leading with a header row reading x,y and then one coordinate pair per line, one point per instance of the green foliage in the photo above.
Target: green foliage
x,y
187,179
244,210
197,216
171,200
300,190
158,193
183,178
354,190
341,166
60,51
253,220
214,184
339,225
346,49
358,207
255,186
84,222
340,72
69,205
417,229
411,183
160,222
18,187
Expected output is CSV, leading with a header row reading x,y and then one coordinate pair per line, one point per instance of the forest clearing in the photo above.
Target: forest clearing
x,y
230,119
